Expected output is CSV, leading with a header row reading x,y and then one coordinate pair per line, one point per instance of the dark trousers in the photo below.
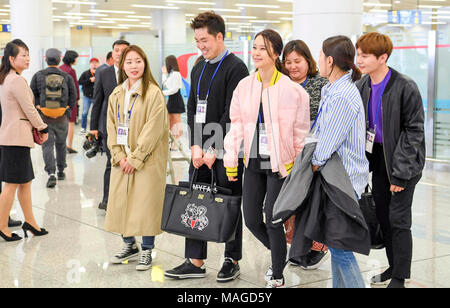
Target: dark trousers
x,y
57,136
394,214
259,185
195,249
107,173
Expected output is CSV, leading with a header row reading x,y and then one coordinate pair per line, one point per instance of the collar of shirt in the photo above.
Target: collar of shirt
x,y
275,77
116,69
218,58
329,88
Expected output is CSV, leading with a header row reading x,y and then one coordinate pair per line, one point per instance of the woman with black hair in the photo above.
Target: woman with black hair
x,y
16,139
172,84
70,59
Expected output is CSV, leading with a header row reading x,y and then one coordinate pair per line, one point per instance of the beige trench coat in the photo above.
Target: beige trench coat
x,y
136,201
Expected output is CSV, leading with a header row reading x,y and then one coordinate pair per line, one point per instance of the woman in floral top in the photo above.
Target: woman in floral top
x,y
302,69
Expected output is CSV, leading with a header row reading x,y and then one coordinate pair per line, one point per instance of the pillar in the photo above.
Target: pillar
x,y
314,21
31,21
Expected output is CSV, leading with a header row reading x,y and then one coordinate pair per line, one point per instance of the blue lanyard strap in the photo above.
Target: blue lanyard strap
x,y
210,84
317,117
304,82
129,111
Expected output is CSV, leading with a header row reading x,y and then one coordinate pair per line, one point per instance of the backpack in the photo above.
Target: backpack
x,y
53,105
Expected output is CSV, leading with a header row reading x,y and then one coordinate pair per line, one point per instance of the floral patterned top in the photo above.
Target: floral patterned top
x,y
313,87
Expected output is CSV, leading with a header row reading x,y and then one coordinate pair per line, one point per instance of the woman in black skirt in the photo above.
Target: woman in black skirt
x,y
172,84
16,138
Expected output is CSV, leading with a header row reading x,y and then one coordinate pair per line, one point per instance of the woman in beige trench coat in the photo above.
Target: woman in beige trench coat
x,y
138,137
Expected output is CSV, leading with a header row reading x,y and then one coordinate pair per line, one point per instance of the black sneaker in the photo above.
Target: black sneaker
x,y
185,271
103,205
229,271
61,176
383,278
301,261
128,252
51,181
145,260
315,259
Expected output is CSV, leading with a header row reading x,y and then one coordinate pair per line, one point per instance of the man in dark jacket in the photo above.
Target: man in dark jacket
x,y
54,88
105,82
395,148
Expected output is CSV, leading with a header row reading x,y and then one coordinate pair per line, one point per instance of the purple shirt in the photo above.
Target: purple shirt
x,y
376,109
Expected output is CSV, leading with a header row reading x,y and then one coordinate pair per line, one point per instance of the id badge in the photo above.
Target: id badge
x,y
200,116
263,142
370,140
122,135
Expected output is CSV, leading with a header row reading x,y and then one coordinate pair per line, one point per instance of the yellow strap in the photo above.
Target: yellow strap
x,y
289,167
275,77
232,171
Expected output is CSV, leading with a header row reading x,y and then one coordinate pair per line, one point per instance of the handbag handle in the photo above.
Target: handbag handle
x,y
194,178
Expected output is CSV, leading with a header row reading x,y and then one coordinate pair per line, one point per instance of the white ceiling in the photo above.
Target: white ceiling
x,y
192,7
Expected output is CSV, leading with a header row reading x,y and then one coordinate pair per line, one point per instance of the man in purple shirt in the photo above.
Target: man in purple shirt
x,y
395,148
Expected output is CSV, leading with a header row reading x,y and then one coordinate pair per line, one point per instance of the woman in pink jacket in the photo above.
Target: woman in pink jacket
x,y
270,114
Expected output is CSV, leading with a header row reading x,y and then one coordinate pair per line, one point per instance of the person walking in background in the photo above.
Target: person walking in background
x,y
86,81
395,120
340,128
16,139
105,82
54,96
109,62
138,138
70,59
270,114
302,69
172,84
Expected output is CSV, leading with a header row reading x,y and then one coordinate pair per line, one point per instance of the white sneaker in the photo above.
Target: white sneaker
x,y
275,284
145,261
82,132
269,274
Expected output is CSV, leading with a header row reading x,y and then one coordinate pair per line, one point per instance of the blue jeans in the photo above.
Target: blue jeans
x,y
345,269
87,102
148,242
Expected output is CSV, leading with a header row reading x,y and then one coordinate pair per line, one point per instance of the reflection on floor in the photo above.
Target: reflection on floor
x,y
77,250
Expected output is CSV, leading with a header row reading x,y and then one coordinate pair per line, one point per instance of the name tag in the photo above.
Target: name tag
x,y
370,140
200,116
122,135
263,142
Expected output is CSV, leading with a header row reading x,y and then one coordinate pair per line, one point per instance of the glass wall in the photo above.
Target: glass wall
x,y
442,103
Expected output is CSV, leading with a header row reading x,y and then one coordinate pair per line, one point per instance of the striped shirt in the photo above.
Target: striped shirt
x,y
341,128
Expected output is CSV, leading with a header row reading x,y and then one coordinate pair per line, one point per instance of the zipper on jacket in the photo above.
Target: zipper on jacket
x,y
273,135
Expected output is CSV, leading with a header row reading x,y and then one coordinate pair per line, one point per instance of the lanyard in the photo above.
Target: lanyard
x,y
304,82
129,111
317,117
210,84
377,113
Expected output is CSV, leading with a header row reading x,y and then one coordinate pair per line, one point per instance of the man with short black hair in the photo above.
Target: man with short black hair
x,y
109,62
395,148
105,82
212,85
55,96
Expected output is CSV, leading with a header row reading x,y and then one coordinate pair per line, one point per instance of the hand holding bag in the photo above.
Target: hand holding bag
x,y
368,208
36,137
201,211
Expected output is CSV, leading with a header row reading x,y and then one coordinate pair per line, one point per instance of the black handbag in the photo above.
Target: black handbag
x,y
367,205
201,211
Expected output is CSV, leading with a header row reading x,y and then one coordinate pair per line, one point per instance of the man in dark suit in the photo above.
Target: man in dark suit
x,y
11,223
105,82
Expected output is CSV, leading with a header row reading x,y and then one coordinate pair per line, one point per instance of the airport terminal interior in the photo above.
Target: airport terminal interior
x,y
77,251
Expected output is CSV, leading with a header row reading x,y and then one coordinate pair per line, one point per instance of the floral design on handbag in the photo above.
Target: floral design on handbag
x,y
195,217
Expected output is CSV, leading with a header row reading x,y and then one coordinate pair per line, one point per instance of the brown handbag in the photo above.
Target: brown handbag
x,y
36,138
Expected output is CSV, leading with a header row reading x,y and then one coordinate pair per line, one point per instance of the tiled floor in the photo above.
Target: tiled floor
x,y
77,250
